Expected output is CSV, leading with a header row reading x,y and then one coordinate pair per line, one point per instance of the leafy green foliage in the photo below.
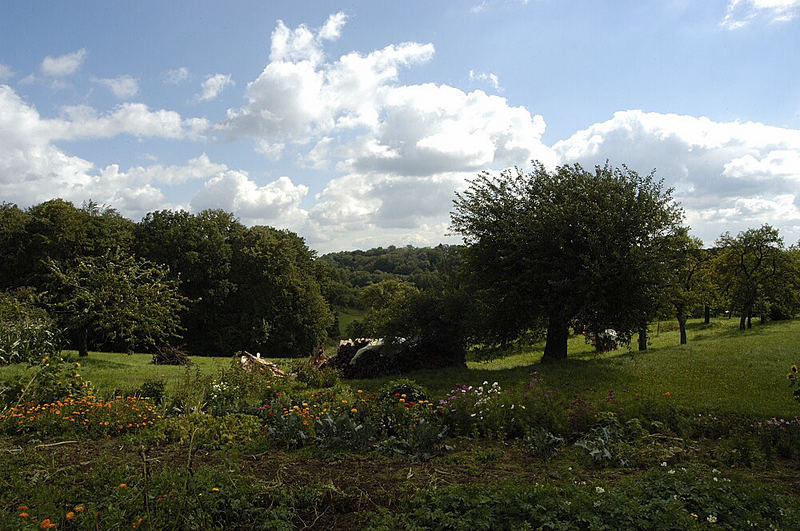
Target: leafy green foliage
x,y
125,300
755,272
27,334
564,247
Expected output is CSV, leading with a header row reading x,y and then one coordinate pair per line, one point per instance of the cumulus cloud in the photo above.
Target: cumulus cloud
x,y
213,86
177,75
6,72
234,191
63,65
123,87
136,119
741,12
33,168
390,142
727,175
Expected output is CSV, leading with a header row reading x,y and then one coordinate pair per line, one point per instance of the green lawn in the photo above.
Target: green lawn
x,y
720,369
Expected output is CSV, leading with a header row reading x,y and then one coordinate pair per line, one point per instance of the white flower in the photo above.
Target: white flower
x,y
599,490
663,463
716,478
671,472
711,519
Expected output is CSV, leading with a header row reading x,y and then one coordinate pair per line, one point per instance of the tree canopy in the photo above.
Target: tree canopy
x,y
117,297
565,248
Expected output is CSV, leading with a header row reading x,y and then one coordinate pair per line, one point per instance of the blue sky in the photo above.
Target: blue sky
x,y
353,123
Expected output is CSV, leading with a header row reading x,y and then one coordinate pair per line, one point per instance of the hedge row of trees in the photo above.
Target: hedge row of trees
x,y
545,252
206,278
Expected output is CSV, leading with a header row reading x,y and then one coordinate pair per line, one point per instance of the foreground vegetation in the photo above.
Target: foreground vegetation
x,y
677,437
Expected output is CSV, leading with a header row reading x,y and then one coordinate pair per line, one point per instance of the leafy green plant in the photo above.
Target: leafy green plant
x,y
322,378
542,443
342,432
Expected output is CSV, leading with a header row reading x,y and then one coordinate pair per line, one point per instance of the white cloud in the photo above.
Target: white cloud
x,y
487,77
177,75
332,29
63,65
277,202
123,87
81,121
741,12
400,149
213,86
479,8
6,72
34,169
727,175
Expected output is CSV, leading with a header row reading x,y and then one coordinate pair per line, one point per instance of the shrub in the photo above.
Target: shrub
x,y
405,388
152,389
542,443
323,377
27,334
50,380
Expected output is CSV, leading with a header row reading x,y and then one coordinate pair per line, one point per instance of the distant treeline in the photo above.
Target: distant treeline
x,y
244,288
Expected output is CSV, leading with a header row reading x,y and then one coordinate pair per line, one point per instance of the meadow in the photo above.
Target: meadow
x,y
675,437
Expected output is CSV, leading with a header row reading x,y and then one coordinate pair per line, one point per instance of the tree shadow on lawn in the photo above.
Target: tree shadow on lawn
x,y
702,331
573,375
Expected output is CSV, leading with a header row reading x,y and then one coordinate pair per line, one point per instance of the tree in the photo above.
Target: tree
x,y
687,286
277,306
117,298
754,270
198,248
565,248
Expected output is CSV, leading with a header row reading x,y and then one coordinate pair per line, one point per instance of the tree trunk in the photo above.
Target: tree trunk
x,y
706,314
749,320
743,321
643,337
83,341
763,318
555,349
681,315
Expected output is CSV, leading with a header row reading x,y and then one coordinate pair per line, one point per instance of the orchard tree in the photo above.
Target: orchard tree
x,y
565,248
754,270
116,298
687,287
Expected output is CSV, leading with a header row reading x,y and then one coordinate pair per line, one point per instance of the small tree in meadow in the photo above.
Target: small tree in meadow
x,y
118,298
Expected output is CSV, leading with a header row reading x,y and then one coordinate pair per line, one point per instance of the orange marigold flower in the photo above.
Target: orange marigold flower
x,y
667,394
23,508
46,524
70,515
24,515
137,523
123,485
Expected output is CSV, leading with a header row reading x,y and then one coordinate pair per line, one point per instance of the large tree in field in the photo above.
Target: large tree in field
x,y
565,248
115,298
688,285
754,270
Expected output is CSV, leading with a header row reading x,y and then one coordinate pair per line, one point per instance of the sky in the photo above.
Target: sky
x,y
353,123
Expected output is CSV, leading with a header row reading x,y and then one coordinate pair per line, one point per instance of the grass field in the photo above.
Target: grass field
x,y
465,465
720,369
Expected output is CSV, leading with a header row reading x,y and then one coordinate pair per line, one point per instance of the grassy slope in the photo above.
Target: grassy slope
x,y
720,369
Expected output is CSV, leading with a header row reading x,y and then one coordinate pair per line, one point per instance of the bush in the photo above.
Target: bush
x,y
27,334
405,388
323,377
